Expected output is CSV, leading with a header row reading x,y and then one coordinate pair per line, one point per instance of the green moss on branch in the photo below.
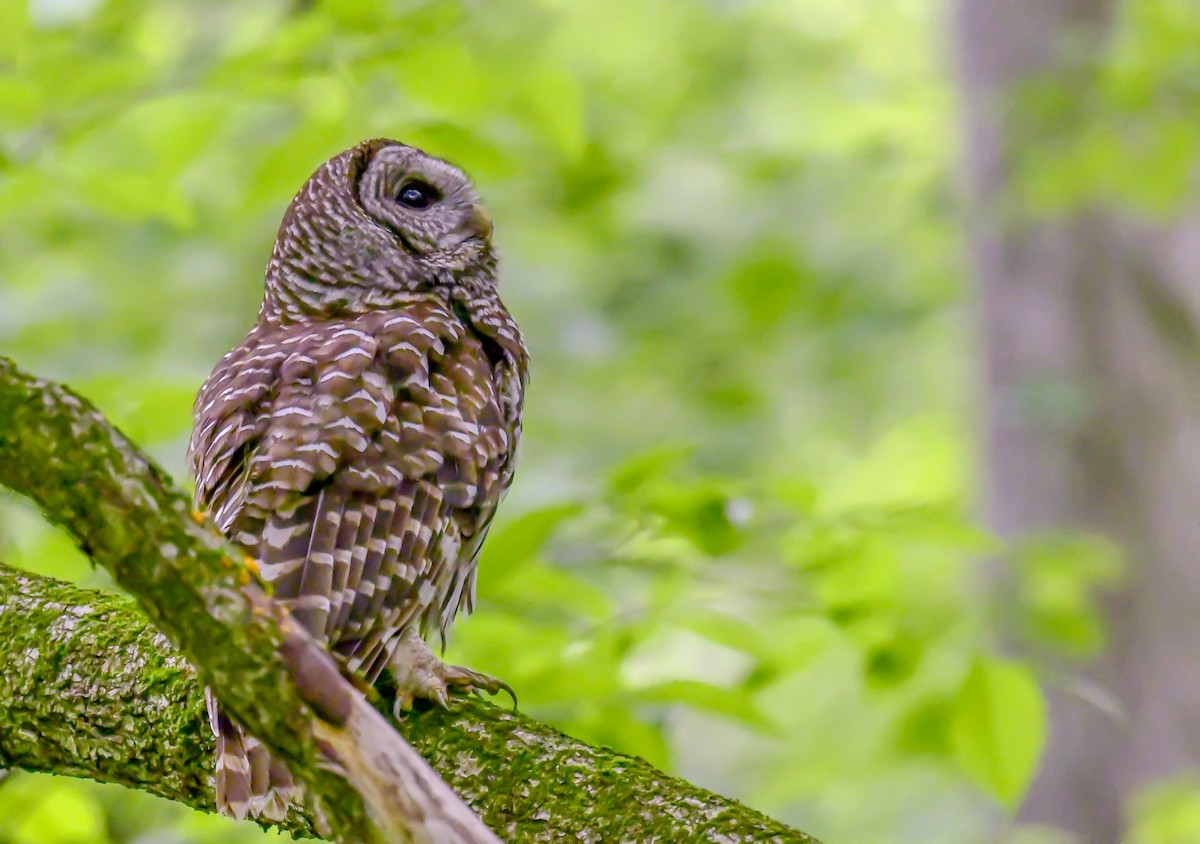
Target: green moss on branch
x,y
123,511
88,689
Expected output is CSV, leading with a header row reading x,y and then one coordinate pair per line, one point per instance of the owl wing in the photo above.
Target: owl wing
x,y
360,462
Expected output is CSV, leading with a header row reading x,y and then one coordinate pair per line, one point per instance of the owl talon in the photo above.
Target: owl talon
x,y
420,674
508,690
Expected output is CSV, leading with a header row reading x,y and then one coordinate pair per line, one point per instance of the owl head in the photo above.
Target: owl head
x,y
374,225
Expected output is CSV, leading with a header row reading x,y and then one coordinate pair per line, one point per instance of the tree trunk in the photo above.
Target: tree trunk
x,y
1093,419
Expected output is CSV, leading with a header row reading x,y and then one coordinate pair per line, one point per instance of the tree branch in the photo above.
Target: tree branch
x,y
266,670
87,688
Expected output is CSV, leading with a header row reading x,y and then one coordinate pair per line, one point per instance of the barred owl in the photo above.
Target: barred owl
x,y
357,442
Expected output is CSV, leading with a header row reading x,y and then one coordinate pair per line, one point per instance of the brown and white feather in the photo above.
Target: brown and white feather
x,y
357,443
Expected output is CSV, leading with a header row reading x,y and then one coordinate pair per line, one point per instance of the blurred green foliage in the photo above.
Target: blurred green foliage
x,y
57,810
740,540
1167,813
1132,138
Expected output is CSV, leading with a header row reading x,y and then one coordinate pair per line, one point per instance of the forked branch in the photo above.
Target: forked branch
x,y
88,688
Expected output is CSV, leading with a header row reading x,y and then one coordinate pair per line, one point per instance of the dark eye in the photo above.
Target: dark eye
x,y
417,194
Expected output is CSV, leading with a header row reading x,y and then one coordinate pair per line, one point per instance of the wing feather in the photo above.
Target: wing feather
x,y
343,554
361,460
314,596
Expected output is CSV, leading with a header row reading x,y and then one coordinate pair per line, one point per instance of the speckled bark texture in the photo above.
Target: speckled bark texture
x,y
530,782
88,688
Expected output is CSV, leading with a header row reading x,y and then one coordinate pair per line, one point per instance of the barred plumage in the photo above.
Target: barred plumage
x,y
357,442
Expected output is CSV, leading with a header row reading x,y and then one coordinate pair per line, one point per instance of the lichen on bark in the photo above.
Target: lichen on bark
x,y
89,688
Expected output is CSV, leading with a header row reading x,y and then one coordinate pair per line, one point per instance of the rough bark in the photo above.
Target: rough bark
x,y
264,667
88,688
1093,417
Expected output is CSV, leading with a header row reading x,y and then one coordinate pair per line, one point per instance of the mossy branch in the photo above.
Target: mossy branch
x,y
124,512
88,688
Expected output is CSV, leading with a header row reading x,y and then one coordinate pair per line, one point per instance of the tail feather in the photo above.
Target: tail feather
x,y
248,781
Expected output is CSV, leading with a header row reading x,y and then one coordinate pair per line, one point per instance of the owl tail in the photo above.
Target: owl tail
x,y
249,781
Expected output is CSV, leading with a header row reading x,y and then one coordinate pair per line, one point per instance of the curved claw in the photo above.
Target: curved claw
x,y
419,674
501,686
475,683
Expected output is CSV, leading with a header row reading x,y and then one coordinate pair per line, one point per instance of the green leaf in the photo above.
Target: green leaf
x,y
733,703
14,32
732,632
633,474
515,542
999,727
555,104
65,816
1166,812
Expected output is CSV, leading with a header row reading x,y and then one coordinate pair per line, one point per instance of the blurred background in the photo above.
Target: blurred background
x,y
861,477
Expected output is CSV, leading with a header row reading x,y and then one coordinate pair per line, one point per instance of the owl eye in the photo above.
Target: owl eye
x,y
417,194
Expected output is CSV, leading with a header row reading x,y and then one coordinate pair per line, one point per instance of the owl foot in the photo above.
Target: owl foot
x,y
420,674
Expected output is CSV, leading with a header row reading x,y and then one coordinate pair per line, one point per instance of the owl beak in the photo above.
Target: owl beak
x,y
479,223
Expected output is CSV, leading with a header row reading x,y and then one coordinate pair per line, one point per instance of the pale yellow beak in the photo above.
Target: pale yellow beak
x,y
479,222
